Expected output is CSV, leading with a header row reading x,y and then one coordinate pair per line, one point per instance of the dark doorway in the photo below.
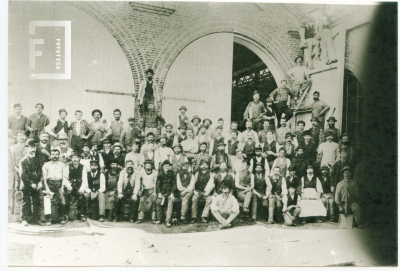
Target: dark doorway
x,y
249,73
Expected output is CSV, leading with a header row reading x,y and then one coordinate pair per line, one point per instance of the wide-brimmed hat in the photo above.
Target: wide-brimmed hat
x,y
183,107
314,119
94,161
328,133
94,143
288,134
97,110
116,145
331,119
196,117
149,70
208,120
148,161
166,162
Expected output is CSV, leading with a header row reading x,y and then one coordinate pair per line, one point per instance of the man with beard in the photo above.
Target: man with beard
x,y
129,135
164,152
280,96
105,151
180,135
152,121
177,159
225,207
127,185
316,132
310,149
195,125
281,133
327,188
151,155
217,140
259,159
244,182
58,128
75,199
337,167
262,135
185,185
249,147
81,131
16,122
344,146
220,156
31,173
346,196
254,110
134,156
166,188
289,147
148,92
37,122
116,126
170,136
150,140
209,131
203,155
146,191
282,163
260,191
86,157
292,180
299,134
97,156
301,79
55,178
101,129
300,162
278,189
237,161
96,184
202,178
203,137
116,156
107,200
43,149
189,145
183,120
270,113
249,132
269,148
331,128
318,108
291,209
65,151
328,152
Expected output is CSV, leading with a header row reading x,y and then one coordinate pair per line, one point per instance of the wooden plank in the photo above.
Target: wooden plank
x,y
182,99
111,92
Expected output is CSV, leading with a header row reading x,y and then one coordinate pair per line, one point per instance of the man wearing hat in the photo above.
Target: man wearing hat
x,y
146,191
346,196
328,152
300,77
280,97
152,155
220,156
180,134
101,129
336,171
183,120
16,122
234,128
189,145
117,156
299,134
327,188
170,136
178,158
58,128
233,144
203,136
43,149
308,42
260,189
55,178
106,150
185,185
31,184
259,159
269,147
270,113
129,135
249,131
281,132
65,151
117,126
202,177
86,156
81,131
217,140
166,190
331,128
124,183
202,155
148,92
293,180
249,147
209,131
300,162
134,155
317,132
262,135
254,109
164,152
195,124
310,149
37,122
152,121
225,207
289,147
94,146
291,209
318,108
96,186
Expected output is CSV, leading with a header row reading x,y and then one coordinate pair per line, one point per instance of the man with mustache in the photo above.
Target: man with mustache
x,y
170,136
344,146
107,200
96,186
316,132
259,159
101,130
65,151
328,152
86,156
105,151
225,207
117,156
318,108
146,191
185,185
280,97
96,155
260,190
189,145
134,155
336,172
16,122
195,124
244,182
116,127
289,147
37,122
327,196
310,149
164,152
58,128
127,189
301,79
203,137
152,156
217,140
331,128
129,135
55,178
150,140
43,149
178,158
209,131
152,121
81,131
254,110
220,156
202,178
278,190
148,92
31,173
299,134
282,132
233,144
249,132
269,148
202,155
300,162
166,188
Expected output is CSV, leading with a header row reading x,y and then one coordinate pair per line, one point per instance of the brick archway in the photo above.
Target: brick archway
x,y
211,25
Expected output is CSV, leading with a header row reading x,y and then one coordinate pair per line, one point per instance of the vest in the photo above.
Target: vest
x,y
310,184
202,180
149,90
276,186
185,178
232,147
93,182
326,185
249,149
255,162
259,183
228,180
177,164
182,122
75,176
244,179
60,125
291,201
112,181
170,140
270,147
216,142
219,158
269,112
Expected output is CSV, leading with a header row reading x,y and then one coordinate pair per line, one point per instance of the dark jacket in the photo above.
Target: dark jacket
x,y
166,183
43,158
31,171
228,180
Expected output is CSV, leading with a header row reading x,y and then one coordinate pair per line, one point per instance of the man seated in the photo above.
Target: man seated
x,y
327,188
185,185
278,188
282,163
108,199
177,159
244,182
259,159
291,210
128,187
96,185
202,178
151,155
220,156
146,191
117,156
225,207
166,188
260,191
346,196
96,155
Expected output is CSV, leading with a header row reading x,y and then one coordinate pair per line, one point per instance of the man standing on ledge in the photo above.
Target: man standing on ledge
x,y
253,110
148,92
37,122
280,97
318,109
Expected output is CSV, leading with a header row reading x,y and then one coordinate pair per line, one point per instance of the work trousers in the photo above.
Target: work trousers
x,y
327,200
294,214
256,199
31,196
165,208
147,203
76,143
244,197
282,107
75,204
185,203
355,209
121,202
274,200
224,217
57,206
195,201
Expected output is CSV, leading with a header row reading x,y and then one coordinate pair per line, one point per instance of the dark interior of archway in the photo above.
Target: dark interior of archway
x,y
249,73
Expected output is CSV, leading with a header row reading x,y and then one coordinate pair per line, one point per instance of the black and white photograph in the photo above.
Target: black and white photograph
x,y
200,134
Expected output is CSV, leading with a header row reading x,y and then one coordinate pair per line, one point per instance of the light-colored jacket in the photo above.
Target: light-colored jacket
x,y
142,89
123,181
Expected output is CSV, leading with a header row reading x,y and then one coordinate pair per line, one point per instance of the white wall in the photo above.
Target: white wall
x,y
98,63
202,71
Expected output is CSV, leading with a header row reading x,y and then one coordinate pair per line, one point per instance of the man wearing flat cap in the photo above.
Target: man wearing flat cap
x,y
16,122
129,135
280,96
58,128
170,135
183,120
146,191
346,196
166,190
37,122
254,110
328,152
100,127
81,131
331,128
148,91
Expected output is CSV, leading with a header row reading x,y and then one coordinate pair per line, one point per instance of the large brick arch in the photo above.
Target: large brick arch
x,y
218,24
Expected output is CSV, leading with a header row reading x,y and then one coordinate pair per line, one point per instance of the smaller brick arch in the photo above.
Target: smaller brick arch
x,y
357,72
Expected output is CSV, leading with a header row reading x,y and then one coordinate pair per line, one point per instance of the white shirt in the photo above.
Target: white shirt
x,y
245,135
78,127
164,153
330,153
52,125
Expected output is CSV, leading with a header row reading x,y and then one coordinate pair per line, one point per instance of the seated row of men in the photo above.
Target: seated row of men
x,y
147,190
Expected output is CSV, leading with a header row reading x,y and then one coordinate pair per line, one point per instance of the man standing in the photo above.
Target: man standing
x,y
310,149
148,92
86,156
101,129
203,137
278,189
65,151
331,128
336,172
259,159
300,162
152,121
183,120
233,144
97,156
217,140
180,135
280,97
202,178
164,152
316,132
318,108
301,80
185,185
328,152
55,178
225,207
116,127
166,188
190,146
58,128
169,135
325,33
344,146
129,135
254,110
269,148
81,130
134,156
299,134
249,132
270,113
327,188
292,180
260,191
152,156
244,182
146,191
209,131
346,196
37,122
96,185
282,132
150,140
16,122
262,135
31,173
43,149
108,199
289,147
105,151
223,176
195,125
127,187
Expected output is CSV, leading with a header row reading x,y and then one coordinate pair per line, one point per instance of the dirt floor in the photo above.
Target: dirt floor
x,y
93,243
